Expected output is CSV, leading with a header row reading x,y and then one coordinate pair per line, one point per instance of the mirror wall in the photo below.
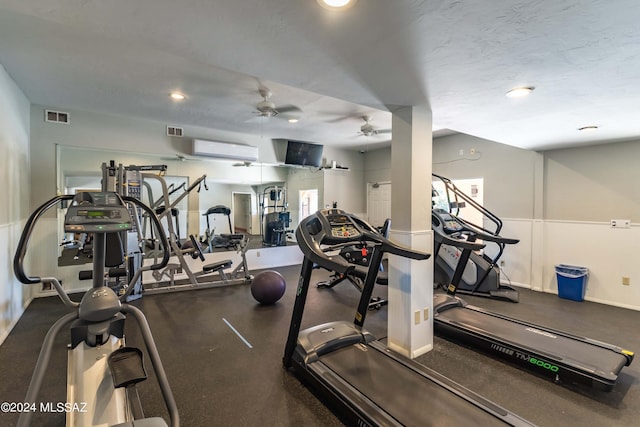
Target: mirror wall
x,y
236,185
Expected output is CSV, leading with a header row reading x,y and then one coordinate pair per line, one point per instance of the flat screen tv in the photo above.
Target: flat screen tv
x,y
303,154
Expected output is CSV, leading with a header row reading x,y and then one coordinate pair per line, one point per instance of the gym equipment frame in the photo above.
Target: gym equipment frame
x,y
104,385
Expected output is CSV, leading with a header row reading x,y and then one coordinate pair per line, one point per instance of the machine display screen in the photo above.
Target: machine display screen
x,y
339,219
452,226
107,213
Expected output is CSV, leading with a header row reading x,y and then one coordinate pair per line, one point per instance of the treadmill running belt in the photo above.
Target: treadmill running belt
x,y
596,360
406,395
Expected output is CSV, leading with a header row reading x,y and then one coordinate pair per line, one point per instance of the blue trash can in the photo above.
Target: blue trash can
x,y
572,281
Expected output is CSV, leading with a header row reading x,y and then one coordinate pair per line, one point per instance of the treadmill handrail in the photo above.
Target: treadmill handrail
x,y
315,230
372,235
312,250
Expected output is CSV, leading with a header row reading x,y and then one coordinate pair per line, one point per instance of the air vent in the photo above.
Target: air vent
x,y
175,131
56,117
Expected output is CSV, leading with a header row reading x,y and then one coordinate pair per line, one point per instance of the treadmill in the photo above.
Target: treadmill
x,y
549,352
365,383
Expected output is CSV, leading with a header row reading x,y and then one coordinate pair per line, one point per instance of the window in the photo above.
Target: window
x,y
308,203
472,188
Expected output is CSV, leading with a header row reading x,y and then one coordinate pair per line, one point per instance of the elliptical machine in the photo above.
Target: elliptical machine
x,y
102,371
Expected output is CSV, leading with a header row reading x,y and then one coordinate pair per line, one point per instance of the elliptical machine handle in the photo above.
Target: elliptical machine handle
x,y
162,236
21,250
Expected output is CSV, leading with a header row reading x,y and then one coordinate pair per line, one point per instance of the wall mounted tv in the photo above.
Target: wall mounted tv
x,y
303,154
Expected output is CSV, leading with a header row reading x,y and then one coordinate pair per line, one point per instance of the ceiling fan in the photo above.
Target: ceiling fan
x,y
266,108
368,130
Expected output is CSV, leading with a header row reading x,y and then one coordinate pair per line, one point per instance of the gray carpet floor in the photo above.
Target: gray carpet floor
x,y
219,380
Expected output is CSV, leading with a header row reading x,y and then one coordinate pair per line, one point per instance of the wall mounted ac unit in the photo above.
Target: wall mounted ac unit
x,y
225,150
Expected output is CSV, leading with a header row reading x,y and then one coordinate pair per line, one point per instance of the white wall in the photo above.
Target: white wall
x,y
93,138
303,179
105,132
377,165
608,253
595,183
565,223
584,189
14,193
346,187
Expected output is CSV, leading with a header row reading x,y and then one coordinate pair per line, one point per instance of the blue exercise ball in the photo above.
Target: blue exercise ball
x,y
268,287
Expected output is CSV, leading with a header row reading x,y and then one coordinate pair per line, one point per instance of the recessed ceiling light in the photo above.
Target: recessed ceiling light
x,y
588,128
336,4
518,92
177,96
292,120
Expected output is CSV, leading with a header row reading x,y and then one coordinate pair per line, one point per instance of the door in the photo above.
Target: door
x,y
242,212
378,202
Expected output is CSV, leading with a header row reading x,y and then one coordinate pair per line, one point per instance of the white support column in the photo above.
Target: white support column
x,y
410,325
537,227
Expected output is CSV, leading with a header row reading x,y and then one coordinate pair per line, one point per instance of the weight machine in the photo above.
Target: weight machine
x,y
128,181
274,217
212,274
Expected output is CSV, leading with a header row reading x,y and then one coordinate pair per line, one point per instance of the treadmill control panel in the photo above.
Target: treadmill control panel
x,y
342,227
336,227
97,213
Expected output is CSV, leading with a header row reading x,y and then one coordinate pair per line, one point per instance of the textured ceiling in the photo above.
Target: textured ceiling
x,y
124,57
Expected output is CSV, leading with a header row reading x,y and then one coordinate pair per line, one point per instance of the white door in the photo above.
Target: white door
x,y
378,203
308,203
242,212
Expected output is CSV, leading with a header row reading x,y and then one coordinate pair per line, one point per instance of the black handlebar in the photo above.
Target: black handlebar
x,y
18,259
23,243
315,230
464,234
309,243
491,237
161,235
450,187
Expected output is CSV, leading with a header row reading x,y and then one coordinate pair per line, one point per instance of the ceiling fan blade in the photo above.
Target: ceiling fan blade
x,y
283,109
257,118
382,131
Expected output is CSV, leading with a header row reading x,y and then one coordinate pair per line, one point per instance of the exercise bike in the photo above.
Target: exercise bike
x,y
102,371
